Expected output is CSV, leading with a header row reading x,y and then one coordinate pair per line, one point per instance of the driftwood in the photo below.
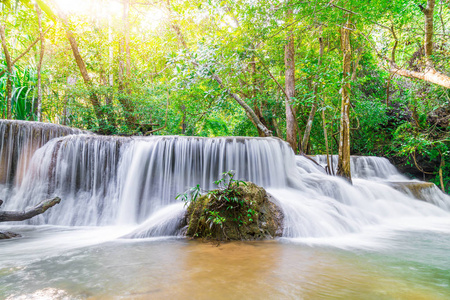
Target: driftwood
x,y
6,216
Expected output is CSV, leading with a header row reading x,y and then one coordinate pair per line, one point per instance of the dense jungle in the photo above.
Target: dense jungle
x,y
372,73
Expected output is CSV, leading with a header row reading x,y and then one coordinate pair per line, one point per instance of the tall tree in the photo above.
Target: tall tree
x,y
343,168
39,66
312,113
93,97
256,103
289,61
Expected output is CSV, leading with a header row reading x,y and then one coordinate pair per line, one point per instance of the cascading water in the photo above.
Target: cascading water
x,y
392,233
126,181
113,180
366,167
379,169
19,140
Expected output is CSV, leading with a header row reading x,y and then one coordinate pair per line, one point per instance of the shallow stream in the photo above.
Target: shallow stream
x,y
89,263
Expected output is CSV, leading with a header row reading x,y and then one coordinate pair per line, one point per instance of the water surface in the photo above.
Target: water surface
x,y
90,263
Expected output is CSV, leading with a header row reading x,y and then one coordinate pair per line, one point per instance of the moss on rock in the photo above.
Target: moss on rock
x,y
253,214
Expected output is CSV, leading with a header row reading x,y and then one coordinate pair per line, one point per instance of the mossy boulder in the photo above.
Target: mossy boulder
x,y
243,212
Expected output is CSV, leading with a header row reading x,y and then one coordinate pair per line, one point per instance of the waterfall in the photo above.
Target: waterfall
x,y
367,167
19,140
134,181
115,180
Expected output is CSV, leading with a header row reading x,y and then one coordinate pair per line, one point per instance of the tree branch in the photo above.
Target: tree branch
x,y
430,75
6,216
31,46
26,50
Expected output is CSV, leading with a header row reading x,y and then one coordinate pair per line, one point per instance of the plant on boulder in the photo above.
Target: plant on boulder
x,y
237,210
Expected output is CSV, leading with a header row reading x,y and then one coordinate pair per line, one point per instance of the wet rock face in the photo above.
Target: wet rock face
x,y
425,163
19,141
415,189
8,235
254,216
440,117
398,114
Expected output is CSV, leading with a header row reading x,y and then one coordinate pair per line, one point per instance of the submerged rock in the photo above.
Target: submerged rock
x,y
252,216
424,191
413,188
8,235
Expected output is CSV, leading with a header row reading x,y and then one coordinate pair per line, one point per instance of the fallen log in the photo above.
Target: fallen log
x,y
6,216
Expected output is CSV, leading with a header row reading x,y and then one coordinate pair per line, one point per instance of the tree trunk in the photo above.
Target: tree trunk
x,y
276,127
39,66
289,61
344,141
428,42
325,134
9,66
110,61
356,64
7,216
125,70
126,19
256,108
429,74
8,96
441,177
308,127
84,73
250,112
312,113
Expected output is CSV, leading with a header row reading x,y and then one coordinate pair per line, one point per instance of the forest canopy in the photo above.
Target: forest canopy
x,y
374,73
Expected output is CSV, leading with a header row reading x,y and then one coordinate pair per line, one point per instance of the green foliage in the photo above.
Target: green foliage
x,y
371,135
224,204
23,96
165,82
190,195
411,143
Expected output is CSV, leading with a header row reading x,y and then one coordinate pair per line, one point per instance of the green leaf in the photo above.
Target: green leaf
x,y
45,8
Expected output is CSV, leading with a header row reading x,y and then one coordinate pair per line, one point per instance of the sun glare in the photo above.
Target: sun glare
x,y
150,19
100,8
153,18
